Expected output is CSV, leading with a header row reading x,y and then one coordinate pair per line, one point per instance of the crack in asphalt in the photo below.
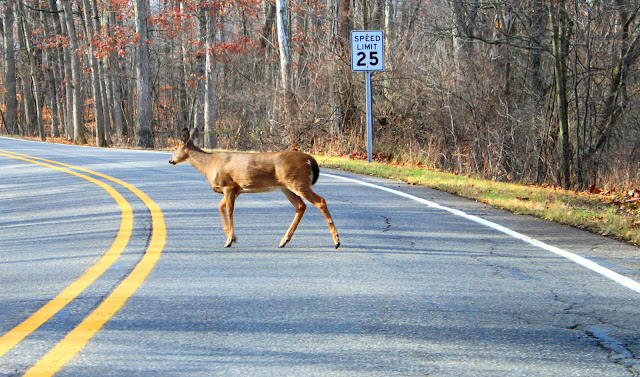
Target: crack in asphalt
x,y
387,221
619,352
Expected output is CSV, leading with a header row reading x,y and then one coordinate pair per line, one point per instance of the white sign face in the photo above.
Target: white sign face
x,y
367,50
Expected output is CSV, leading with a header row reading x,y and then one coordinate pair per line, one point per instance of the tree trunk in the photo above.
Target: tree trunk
x,y
95,78
628,56
184,113
54,54
74,83
28,108
59,67
210,139
535,83
559,28
389,21
341,90
287,99
377,19
11,96
463,20
33,68
200,62
102,73
67,77
113,80
269,12
144,133
282,16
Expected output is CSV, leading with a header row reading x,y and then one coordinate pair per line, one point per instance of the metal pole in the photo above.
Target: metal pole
x,y
369,122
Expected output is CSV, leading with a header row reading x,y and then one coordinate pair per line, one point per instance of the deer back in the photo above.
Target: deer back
x,y
255,172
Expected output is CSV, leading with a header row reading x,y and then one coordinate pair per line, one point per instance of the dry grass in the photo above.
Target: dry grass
x,y
607,213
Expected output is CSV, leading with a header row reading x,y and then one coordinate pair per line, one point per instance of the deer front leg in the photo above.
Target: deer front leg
x,y
229,203
222,207
300,207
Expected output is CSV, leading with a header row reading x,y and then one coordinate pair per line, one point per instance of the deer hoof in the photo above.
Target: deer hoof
x,y
338,245
229,241
283,243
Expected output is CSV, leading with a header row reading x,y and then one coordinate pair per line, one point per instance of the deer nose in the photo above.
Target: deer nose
x,y
171,162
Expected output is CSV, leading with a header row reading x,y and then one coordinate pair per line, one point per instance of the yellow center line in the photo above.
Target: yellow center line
x,y
18,333
75,340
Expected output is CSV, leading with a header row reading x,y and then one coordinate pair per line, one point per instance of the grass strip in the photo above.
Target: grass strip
x,y
608,214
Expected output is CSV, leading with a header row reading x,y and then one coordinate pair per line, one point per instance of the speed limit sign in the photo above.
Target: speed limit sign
x,y
367,50
367,55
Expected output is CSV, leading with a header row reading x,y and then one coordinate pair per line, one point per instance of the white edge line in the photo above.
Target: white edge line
x,y
618,278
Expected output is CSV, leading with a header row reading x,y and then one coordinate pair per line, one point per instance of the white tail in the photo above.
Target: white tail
x,y
231,174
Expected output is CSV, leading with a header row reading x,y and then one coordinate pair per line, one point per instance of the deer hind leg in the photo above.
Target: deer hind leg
x,y
300,207
319,202
226,208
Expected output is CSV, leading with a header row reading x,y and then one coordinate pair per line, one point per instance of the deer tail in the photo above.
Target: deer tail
x,y
315,170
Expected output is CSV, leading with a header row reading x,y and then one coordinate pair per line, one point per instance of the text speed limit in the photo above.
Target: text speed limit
x,y
367,50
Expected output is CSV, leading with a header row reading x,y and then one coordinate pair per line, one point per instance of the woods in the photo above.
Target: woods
x,y
544,91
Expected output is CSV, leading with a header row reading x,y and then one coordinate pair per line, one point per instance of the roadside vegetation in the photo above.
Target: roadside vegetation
x,y
608,213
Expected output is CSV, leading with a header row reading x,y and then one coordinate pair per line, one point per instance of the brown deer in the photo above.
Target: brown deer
x,y
231,174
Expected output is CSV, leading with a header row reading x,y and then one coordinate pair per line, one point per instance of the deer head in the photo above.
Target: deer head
x,y
181,152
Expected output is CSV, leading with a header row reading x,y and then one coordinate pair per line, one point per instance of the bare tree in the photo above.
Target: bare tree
x,y
11,97
210,139
113,78
54,67
75,83
463,27
91,33
33,68
560,42
540,91
144,133
614,96
341,90
287,96
30,117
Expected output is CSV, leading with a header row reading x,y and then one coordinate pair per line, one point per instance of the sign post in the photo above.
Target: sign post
x,y
367,55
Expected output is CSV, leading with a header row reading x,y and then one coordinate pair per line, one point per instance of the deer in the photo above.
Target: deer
x,y
234,173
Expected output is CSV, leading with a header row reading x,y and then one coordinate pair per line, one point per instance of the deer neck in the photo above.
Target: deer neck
x,y
202,160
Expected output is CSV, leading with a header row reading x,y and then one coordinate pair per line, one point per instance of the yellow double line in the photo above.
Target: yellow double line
x,y
75,340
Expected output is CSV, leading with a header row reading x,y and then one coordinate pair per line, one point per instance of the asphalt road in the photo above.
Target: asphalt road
x,y
414,290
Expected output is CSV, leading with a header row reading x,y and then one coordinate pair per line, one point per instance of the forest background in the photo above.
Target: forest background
x,y
540,91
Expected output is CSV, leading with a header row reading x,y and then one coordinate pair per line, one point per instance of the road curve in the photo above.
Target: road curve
x,y
413,290
19,332
75,340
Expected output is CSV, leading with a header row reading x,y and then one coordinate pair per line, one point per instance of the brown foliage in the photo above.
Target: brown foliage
x,y
478,97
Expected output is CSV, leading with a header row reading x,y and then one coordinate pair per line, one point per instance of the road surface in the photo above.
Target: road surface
x,y
113,265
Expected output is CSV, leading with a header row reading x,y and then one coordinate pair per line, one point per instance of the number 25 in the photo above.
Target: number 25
x,y
373,58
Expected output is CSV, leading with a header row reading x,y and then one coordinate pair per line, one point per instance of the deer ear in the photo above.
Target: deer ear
x,y
194,135
185,135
